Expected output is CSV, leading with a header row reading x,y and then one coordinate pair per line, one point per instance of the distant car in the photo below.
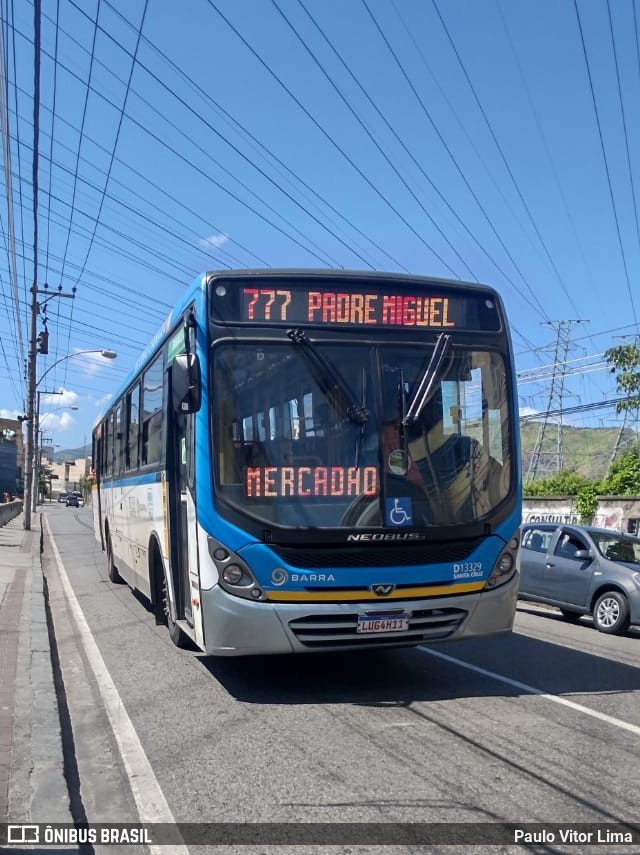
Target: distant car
x,y
73,501
582,571
62,498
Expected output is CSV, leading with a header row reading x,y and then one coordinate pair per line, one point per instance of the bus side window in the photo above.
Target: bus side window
x,y
152,391
118,442
133,410
109,444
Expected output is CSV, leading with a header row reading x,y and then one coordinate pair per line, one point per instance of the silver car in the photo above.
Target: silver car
x,y
582,571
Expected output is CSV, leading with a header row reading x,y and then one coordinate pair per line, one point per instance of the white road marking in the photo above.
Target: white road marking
x,y
150,801
516,684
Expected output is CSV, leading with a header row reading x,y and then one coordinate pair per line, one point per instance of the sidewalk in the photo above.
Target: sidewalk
x,y
33,788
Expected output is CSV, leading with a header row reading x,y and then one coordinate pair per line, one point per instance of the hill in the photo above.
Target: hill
x,y
73,453
587,450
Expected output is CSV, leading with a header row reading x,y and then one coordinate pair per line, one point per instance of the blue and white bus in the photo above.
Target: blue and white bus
x,y
317,460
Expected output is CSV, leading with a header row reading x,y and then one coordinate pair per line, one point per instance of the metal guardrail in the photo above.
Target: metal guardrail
x,y
10,510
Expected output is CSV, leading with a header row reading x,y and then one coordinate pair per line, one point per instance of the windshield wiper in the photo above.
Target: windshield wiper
x,y
363,401
427,381
402,405
329,379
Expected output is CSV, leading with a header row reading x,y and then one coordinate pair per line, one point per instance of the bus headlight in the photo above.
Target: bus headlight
x,y
505,567
234,576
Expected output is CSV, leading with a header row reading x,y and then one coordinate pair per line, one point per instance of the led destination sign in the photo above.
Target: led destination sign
x,y
332,307
278,302
289,481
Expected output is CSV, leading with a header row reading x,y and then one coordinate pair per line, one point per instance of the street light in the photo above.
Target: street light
x,y
32,439
37,444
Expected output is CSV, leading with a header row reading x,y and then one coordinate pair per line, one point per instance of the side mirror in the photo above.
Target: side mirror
x,y
186,383
583,555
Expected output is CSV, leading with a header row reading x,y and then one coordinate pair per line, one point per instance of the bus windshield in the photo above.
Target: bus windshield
x,y
289,452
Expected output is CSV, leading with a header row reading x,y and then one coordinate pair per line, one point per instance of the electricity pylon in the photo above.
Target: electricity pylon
x,y
547,457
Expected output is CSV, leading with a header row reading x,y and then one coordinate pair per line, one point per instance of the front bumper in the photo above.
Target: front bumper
x,y
237,627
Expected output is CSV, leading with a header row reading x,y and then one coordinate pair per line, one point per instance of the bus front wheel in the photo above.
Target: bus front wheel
x,y
163,608
112,570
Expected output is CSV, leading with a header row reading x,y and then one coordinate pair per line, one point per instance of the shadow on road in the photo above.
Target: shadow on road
x,y
402,676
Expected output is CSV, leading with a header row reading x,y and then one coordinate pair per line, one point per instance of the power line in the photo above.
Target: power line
x,y
624,121
536,304
386,157
503,156
6,151
606,162
214,130
320,127
255,142
115,143
578,408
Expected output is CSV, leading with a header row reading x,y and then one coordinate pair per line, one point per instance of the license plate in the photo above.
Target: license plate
x,y
382,623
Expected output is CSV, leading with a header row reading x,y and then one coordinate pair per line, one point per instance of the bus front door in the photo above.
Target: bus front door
x,y
182,521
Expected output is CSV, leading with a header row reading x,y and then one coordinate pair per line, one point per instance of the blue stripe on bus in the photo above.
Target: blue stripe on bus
x,y
133,480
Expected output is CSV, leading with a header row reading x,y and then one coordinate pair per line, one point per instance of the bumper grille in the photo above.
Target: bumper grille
x,y
339,630
376,556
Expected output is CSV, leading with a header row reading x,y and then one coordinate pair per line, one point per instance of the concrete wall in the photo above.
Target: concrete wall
x,y
617,512
9,510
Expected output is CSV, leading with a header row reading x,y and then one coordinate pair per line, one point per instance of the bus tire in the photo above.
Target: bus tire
x,y
163,606
112,570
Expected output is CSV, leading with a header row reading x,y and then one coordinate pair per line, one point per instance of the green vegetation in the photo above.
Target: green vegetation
x,y
621,479
566,483
587,503
605,458
598,461
84,484
625,361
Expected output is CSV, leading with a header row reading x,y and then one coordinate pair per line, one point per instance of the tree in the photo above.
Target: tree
x,y
625,361
623,478
44,481
587,503
567,483
85,486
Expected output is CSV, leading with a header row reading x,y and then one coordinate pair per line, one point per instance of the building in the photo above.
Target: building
x,y
68,475
11,457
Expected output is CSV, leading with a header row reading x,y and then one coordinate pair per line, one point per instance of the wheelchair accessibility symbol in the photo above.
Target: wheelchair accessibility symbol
x,y
399,511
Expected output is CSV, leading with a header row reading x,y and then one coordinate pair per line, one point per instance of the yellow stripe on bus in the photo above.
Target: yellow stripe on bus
x,y
355,596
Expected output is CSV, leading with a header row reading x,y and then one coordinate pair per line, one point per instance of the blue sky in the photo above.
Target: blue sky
x,y
487,140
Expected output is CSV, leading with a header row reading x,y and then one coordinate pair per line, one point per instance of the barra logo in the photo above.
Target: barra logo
x,y
313,577
382,590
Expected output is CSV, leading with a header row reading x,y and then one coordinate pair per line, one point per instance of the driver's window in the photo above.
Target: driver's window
x,y
569,544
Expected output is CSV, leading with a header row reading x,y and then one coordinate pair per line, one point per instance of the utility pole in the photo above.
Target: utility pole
x,y
31,394
37,344
31,361
548,459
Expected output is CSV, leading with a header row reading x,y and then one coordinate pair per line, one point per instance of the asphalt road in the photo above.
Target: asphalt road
x,y
542,726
